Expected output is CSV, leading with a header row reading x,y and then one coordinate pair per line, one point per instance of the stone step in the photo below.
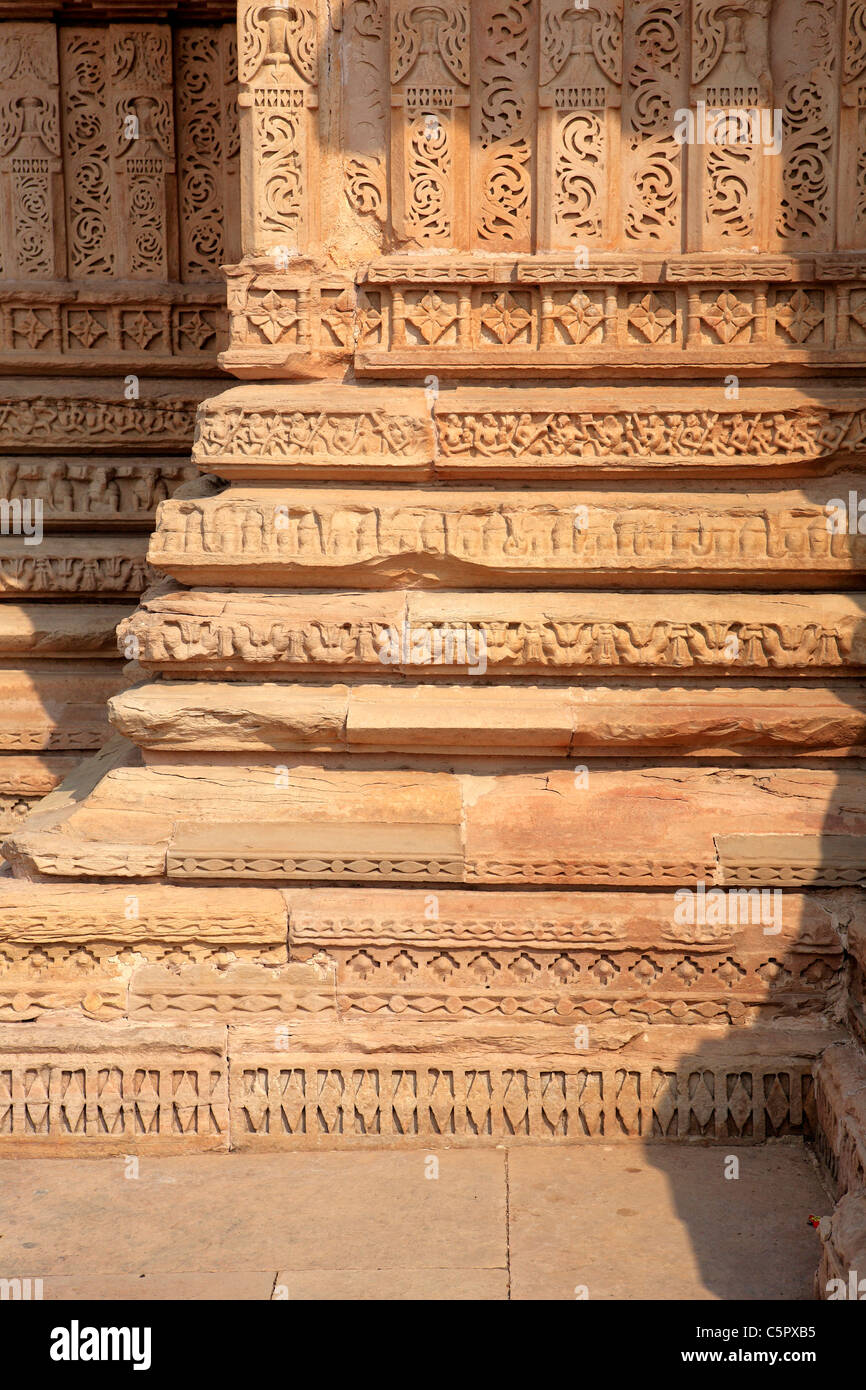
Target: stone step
x,y
494,721
519,633
644,827
252,537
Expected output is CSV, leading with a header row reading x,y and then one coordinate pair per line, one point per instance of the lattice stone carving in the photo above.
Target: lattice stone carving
x,y
279,75
32,241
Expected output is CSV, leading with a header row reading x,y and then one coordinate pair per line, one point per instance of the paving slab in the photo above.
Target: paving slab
x,y
393,1285
618,1221
159,1288
233,1213
662,1221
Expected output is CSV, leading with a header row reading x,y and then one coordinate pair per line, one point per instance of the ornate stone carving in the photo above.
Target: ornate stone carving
x,y
514,586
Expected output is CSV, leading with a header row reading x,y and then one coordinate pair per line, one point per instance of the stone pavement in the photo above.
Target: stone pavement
x,y
622,1220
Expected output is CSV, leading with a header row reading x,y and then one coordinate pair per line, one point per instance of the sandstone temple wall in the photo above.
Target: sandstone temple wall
x,y
513,608
119,202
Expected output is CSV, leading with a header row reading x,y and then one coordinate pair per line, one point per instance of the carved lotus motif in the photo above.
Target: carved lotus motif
x,y
728,317
273,317
505,318
798,316
432,316
651,317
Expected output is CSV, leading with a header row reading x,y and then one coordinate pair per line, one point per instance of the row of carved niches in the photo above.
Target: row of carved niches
x,y
410,314
118,163
549,125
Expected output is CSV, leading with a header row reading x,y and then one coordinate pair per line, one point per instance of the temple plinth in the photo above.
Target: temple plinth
x,y
491,763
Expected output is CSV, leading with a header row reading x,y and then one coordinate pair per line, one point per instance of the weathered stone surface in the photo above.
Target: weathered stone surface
x,y
843,1253
109,1088
840,1096
250,537
507,720
505,626
71,630
35,773
151,919
56,704
662,825
644,827
212,631
542,433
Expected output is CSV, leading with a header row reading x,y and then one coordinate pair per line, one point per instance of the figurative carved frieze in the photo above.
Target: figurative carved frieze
x,y
33,572
509,533
698,436
164,639
45,423
226,433
111,490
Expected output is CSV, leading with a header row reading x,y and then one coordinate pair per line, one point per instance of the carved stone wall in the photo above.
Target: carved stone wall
x,y
119,202
493,766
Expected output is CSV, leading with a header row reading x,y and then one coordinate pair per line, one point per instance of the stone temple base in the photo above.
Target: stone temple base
x,y
492,767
